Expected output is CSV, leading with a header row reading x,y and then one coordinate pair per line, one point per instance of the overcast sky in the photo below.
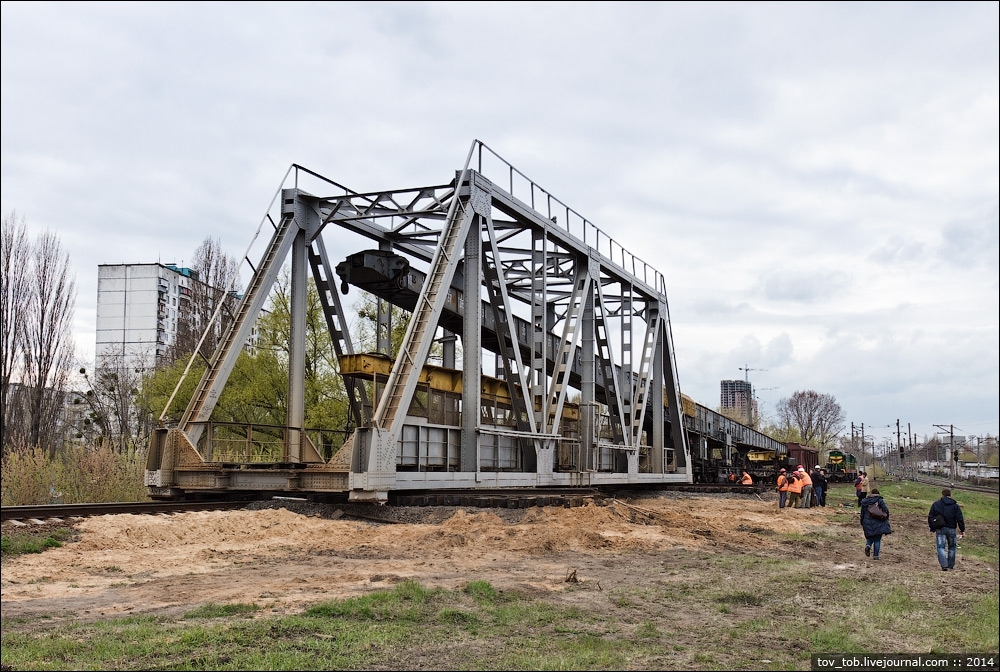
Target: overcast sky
x,y
818,183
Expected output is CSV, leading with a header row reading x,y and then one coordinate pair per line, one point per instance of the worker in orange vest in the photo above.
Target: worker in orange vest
x,y
807,488
794,490
747,479
782,487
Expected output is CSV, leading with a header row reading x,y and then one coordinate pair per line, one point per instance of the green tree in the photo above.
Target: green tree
x,y
257,389
782,433
326,402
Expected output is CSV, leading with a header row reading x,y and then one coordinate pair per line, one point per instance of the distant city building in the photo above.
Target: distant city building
x,y
946,451
735,394
139,309
150,314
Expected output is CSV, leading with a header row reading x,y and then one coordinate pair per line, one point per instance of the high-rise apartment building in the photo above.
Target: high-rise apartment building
x,y
140,308
735,395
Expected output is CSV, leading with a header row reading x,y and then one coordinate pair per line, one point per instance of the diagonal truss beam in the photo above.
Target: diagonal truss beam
x,y
499,299
209,388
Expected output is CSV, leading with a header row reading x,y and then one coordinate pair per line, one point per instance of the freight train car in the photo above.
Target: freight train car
x,y
806,456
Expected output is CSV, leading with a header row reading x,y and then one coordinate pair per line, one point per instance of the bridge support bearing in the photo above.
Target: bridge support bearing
x,y
368,496
376,453
544,457
165,493
632,458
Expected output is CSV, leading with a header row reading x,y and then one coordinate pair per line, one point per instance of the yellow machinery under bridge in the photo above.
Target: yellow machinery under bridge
x,y
574,329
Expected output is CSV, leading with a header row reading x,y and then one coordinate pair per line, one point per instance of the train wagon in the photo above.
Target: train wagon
x,y
806,456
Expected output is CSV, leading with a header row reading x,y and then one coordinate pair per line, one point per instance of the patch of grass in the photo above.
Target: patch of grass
x,y
21,543
910,497
478,628
407,601
482,591
741,598
740,562
985,610
457,617
212,610
833,638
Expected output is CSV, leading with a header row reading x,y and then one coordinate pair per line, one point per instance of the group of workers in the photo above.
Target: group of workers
x,y
797,489
801,489
745,479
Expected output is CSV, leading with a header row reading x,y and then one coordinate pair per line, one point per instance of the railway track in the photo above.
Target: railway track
x,y
47,511
956,485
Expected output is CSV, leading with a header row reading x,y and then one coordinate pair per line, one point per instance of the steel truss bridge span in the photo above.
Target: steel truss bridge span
x,y
580,390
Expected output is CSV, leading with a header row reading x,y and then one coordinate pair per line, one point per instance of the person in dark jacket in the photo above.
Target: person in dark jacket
x,y
953,518
873,527
820,486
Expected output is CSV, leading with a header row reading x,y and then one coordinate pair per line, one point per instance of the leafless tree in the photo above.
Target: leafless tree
x,y
817,417
14,264
113,412
49,347
217,281
38,301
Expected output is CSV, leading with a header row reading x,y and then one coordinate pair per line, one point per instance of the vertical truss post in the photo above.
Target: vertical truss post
x,y
295,411
472,354
539,327
656,400
588,345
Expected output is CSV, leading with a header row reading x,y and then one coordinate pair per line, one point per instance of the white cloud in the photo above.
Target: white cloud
x,y
818,184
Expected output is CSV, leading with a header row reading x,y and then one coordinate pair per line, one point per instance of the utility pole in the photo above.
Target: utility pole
x,y
909,438
899,448
951,443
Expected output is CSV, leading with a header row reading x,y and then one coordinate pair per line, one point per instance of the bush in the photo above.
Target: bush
x,y
76,474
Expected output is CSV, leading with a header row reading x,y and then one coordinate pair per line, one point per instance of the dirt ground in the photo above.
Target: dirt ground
x,y
287,556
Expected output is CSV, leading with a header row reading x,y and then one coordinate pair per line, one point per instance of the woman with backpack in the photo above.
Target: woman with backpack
x,y
874,522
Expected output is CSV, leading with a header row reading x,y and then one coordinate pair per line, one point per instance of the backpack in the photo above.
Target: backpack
x,y
876,512
937,522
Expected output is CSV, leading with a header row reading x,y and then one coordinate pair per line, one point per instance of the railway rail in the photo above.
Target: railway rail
x,y
47,511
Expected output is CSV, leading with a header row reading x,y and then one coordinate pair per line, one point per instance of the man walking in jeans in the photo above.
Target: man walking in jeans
x,y
950,511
